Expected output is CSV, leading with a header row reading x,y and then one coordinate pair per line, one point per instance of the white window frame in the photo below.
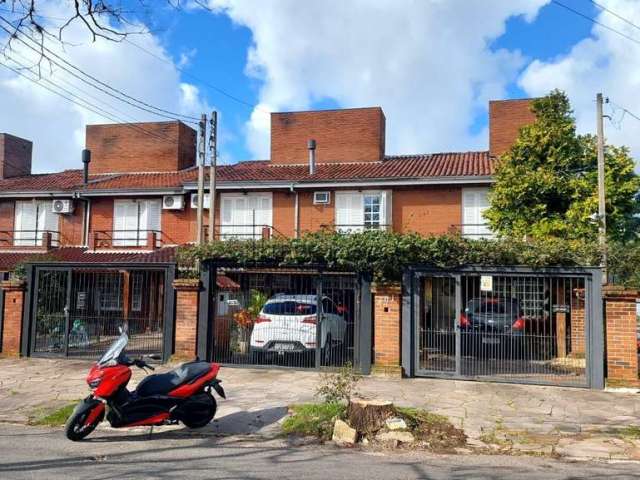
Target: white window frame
x,y
30,228
474,225
316,195
237,221
136,235
353,218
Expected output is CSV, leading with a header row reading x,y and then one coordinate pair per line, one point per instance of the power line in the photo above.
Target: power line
x,y
221,91
611,12
593,20
626,111
40,51
85,105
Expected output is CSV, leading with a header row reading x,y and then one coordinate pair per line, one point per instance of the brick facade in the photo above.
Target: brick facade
x,y
506,117
187,291
578,337
387,304
350,135
621,344
15,156
12,323
121,148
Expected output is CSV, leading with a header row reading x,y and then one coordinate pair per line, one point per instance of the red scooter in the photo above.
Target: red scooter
x,y
181,395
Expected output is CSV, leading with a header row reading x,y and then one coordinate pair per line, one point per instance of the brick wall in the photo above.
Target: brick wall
x,y
578,337
120,148
350,135
427,210
101,214
71,227
621,325
284,213
186,317
12,325
387,307
7,218
15,156
506,117
312,217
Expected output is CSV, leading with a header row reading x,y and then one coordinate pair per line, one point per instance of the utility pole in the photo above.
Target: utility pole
x,y
201,158
213,147
602,214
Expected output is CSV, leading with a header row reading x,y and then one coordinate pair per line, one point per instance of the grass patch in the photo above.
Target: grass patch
x,y
315,419
631,432
436,431
54,418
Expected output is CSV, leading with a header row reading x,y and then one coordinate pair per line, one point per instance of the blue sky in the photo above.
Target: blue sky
x,y
432,65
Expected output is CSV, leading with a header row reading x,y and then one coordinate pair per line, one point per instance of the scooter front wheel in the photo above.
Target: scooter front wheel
x,y
84,419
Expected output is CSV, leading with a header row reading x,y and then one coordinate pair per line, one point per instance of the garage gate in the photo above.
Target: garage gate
x,y
509,325
285,317
76,311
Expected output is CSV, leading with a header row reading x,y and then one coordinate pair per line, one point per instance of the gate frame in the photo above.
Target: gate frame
x,y
207,308
594,319
3,276
29,324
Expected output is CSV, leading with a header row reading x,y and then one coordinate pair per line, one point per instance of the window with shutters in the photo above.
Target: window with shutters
x,y
474,202
133,220
32,219
358,211
245,216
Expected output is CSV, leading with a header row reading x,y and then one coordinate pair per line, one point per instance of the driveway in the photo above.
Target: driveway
x,y
571,422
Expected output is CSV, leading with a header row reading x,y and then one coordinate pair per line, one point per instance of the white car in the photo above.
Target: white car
x,y
288,323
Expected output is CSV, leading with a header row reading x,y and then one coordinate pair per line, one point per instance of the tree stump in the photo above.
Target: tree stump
x,y
369,416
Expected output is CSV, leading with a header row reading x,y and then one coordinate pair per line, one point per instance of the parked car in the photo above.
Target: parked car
x,y
288,324
494,324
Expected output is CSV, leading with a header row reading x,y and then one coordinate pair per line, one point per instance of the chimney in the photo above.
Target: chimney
x,y
506,118
311,145
86,160
15,156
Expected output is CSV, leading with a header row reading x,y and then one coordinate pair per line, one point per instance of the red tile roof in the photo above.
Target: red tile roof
x,y
437,165
80,255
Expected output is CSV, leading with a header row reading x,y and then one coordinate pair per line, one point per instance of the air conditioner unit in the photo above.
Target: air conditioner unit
x,y
172,202
321,198
194,201
62,206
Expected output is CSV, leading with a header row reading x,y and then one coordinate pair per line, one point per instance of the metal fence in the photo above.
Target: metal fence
x,y
77,311
284,317
512,325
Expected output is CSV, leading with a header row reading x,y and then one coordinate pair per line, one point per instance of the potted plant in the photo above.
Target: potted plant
x,y
246,317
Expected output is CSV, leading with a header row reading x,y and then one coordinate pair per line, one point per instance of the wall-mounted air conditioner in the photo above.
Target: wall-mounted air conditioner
x,y
172,202
321,198
194,200
63,206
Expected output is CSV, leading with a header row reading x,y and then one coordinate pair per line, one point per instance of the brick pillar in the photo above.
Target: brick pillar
x,y
387,307
12,326
578,337
622,350
187,291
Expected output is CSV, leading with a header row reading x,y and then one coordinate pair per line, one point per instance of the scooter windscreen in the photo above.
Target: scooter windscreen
x,y
111,356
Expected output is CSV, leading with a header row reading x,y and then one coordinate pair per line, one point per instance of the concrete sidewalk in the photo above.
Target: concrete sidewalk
x,y
497,417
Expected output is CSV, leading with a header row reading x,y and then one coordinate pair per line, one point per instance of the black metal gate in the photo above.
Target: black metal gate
x,y
287,317
3,276
510,325
77,311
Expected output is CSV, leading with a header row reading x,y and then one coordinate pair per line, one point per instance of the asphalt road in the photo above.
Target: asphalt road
x,y
30,453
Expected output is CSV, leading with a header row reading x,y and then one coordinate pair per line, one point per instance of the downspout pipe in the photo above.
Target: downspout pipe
x,y
296,212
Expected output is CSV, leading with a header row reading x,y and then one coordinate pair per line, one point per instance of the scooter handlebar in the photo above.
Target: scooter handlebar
x,y
138,362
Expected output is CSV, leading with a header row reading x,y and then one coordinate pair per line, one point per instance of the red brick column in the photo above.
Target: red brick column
x,y
12,326
387,306
620,315
578,337
187,291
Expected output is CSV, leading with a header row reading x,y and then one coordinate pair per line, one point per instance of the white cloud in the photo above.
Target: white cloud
x,y
55,125
605,62
427,63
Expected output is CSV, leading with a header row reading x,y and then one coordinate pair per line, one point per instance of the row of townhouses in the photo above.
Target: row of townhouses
x,y
138,191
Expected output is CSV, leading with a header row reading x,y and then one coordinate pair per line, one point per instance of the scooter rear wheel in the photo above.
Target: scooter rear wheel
x,y
199,411
75,428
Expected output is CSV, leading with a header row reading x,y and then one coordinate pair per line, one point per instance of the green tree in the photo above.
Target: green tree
x,y
546,184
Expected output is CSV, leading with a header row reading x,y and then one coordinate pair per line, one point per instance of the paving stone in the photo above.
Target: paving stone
x,y
343,434
598,447
396,423
399,437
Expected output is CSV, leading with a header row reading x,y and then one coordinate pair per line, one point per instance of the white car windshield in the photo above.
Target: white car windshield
x,y
114,351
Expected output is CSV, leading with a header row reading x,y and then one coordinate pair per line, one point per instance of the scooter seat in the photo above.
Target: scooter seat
x,y
163,383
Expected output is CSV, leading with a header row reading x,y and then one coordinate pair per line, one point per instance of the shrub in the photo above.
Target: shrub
x,y
339,386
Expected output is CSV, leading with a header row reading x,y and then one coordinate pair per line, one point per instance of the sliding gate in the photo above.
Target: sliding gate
x,y
510,325
78,311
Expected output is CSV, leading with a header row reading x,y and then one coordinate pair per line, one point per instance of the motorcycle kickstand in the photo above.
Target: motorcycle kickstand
x,y
150,432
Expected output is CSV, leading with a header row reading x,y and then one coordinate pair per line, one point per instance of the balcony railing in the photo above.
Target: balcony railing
x,y
41,239
354,227
243,232
126,239
472,230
